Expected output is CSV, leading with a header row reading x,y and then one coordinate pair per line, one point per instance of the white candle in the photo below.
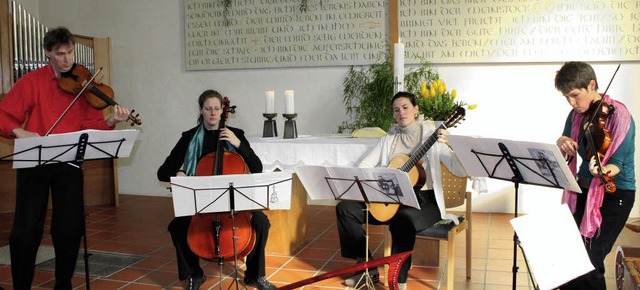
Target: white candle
x,y
270,100
288,102
398,64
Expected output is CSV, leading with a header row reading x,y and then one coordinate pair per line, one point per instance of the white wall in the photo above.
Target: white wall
x,y
516,101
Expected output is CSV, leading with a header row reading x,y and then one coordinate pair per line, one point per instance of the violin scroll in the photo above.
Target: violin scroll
x,y
609,186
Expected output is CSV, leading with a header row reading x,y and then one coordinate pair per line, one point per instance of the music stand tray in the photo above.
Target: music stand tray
x,y
209,194
539,163
58,148
379,185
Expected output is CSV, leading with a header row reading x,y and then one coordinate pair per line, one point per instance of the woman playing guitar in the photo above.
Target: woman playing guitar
x,y
194,144
406,137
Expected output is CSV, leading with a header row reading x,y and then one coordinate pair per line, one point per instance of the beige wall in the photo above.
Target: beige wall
x,y
516,101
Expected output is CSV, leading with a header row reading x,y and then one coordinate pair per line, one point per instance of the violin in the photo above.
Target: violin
x,y
225,236
598,139
98,95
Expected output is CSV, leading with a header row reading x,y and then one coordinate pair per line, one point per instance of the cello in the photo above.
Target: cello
x,y
222,236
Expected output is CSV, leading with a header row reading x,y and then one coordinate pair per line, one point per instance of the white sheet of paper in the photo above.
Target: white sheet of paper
x,y
382,185
533,171
209,194
553,246
102,144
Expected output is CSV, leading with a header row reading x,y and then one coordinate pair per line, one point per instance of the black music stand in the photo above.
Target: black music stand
x,y
229,193
73,148
368,185
518,162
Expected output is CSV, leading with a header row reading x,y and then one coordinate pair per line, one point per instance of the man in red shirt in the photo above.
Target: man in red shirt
x,y
31,108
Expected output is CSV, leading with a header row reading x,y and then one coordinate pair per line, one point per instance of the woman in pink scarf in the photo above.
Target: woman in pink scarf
x,y
600,216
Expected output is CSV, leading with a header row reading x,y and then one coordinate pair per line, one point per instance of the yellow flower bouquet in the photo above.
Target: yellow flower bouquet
x,y
436,102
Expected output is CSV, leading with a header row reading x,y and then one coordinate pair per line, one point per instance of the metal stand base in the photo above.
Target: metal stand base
x,y
365,280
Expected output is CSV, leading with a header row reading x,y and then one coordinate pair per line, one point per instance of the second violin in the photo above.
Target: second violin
x,y
598,139
79,80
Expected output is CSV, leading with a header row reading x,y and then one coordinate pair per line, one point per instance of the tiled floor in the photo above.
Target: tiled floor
x,y
138,227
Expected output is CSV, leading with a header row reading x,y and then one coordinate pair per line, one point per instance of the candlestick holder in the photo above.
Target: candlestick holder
x,y
269,129
290,128
397,85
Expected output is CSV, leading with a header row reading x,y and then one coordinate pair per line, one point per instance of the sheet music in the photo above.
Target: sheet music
x,y
56,148
209,194
383,185
554,168
553,245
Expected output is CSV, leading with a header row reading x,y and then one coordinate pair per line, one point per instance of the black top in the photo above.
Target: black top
x,y
175,160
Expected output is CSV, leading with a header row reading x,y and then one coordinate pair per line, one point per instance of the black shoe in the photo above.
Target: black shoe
x,y
195,283
359,278
260,283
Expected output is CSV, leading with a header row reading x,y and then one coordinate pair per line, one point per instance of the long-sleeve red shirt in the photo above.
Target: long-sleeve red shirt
x,y
37,99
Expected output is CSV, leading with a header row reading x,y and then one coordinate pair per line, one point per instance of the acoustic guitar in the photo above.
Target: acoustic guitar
x,y
412,165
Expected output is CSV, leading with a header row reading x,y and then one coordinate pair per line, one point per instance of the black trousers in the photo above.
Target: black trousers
x,y
403,227
32,197
615,211
189,263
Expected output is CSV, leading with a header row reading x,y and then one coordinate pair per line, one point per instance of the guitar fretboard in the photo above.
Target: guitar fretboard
x,y
415,157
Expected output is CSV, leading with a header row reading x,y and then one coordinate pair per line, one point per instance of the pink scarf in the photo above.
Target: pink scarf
x,y
618,125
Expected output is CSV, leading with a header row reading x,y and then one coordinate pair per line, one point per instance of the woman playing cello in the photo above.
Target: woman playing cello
x,y
194,144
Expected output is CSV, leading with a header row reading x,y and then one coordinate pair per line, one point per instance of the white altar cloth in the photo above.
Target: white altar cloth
x,y
325,150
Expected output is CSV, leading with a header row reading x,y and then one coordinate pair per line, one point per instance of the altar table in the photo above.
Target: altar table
x,y
288,227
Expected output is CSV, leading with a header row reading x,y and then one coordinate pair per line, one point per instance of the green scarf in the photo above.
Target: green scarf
x,y
193,152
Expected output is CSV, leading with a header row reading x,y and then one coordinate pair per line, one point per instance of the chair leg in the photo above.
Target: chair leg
x,y
451,257
468,254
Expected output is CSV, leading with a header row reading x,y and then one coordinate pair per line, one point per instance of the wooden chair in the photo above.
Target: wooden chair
x,y
634,225
455,194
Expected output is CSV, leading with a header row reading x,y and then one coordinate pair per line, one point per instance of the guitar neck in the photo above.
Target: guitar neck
x,y
415,157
